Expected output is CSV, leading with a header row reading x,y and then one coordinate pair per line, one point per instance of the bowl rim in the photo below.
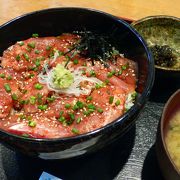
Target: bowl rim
x,y
149,18
136,107
172,97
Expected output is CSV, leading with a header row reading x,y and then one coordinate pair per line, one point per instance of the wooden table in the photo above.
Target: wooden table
x,y
131,9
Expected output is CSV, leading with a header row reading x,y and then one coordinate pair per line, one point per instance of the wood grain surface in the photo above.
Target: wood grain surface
x,y
130,9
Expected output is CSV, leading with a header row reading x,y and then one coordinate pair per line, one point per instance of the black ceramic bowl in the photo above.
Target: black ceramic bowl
x,y
52,22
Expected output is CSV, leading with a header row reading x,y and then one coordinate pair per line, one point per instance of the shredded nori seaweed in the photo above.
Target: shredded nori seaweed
x,y
163,56
96,47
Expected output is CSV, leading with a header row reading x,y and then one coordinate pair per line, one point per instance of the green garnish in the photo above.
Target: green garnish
x,y
37,63
100,110
62,77
31,45
111,98
25,135
89,98
22,116
48,48
75,131
9,77
67,106
38,86
119,72
39,98
18,57
83,72
35,35
43,107
78,120
72,116
61,113
32,123
92,73
98,86
21,43
31,75
117,103
75,61
24,101
26,56
110,74
124,67
2,75
87,113
36,51
91,106
7,87
51,99
106,81
62,119
14,97
32,100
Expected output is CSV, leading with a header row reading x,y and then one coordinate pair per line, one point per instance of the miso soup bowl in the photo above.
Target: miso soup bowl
x,y
53,22
168,168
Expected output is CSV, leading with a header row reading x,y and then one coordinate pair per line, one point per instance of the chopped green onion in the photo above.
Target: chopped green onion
x,y
100,110
2,75
14,97
62,119
31,75
106,81
26,56
39,98
7,87
43,107
61,113
28,49
75,61
98,86
78,120
111,98
89,98
38,86
119,72
24,101
83,72
109,75
91,106
92,73
87,113
21,43
35,35
78,105
22,116
25,135
72,116
37,63
32,123
36,51
18,57
117,103
67,106
9,77
75,131
48,48
31,45
51,99
32,99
